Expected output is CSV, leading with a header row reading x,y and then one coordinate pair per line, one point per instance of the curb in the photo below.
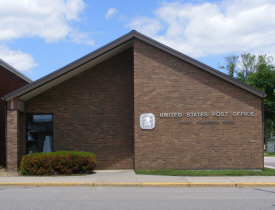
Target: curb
x,y
165,185
117,184
18,184
255,184
132,184
64,184
213,185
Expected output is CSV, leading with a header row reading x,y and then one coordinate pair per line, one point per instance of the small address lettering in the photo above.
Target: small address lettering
x,y
186,122
212,122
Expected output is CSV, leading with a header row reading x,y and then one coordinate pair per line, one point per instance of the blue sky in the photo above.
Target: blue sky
x,y
39,37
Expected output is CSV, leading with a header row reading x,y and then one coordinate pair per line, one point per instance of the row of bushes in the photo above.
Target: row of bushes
x,y
57,163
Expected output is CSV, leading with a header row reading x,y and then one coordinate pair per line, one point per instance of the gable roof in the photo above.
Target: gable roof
x,y
13,70
105,52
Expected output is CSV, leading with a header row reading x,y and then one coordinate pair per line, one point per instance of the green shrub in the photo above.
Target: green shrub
x,y
56,163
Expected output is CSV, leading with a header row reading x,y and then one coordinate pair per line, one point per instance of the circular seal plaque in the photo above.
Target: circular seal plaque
x,y
147,121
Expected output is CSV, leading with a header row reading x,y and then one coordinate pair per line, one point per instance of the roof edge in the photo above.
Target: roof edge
x,y
111,45
197,63
15,71
117,42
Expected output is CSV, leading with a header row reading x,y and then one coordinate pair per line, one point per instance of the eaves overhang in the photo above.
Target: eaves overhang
x,y
14,71
72,69
105,52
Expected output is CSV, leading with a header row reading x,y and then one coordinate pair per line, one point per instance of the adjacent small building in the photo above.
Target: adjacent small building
x,y
271,144
10,80
139,104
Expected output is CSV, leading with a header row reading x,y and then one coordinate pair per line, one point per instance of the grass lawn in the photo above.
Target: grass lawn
x,y
170,172
271,154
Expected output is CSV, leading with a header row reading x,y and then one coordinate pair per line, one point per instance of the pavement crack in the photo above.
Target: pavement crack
x,y
230,180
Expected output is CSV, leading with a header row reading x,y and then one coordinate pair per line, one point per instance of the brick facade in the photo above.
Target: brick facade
x,y
92,112
8,83
12,139
164,83
99,111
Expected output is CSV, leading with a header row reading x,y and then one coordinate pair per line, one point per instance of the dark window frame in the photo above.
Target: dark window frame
x,y
26,130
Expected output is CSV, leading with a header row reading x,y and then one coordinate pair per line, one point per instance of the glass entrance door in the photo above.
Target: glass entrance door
x,y
39,133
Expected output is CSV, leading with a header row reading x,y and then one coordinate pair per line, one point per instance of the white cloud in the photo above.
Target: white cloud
x,y
51,20
19,60
205,29
81,38
110,12
149,26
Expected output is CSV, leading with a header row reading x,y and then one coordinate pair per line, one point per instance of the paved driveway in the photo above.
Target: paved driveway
x,y
269,162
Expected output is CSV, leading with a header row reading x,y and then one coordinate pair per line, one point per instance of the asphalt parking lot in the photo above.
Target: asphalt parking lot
x,y
269,162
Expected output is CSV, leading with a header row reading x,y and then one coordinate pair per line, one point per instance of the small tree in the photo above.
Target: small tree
x,y
231,62
248,62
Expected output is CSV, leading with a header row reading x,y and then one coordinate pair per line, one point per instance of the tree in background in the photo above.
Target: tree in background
x,y
244,66
264,80
259,72
248,63
231,62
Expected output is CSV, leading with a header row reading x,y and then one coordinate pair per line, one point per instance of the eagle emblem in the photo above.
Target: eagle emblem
x,y
147,121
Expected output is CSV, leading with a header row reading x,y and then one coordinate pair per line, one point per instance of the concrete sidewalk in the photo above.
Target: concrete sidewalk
x,y
129,178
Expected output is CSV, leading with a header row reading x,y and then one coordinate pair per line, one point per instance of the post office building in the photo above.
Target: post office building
x,y
138,104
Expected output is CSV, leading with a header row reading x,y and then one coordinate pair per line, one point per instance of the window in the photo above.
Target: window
x,y
39,133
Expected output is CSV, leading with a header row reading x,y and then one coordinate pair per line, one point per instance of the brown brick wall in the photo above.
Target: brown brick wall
x,y
8,83
93,112
99,109
164,83
12,139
